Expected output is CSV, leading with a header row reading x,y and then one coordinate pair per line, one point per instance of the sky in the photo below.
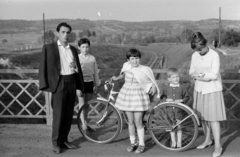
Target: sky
x,y
123,10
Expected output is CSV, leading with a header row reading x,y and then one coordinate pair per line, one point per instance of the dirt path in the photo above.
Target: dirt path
x,y
229,51
33,140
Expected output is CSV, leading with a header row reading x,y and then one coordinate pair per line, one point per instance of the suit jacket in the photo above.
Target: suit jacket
x,y
49,70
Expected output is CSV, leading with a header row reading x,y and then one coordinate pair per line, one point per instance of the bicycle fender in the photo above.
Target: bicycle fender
x,y
183,105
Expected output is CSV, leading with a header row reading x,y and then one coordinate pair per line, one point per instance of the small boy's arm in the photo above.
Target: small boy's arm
x,y
185,95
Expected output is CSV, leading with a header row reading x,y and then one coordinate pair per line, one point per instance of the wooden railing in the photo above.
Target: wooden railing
x,y
22,99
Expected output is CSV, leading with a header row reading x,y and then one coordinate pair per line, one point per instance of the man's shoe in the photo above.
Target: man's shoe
x,y
56,149
69,145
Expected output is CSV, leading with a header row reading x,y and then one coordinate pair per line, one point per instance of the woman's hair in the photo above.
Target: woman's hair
x,y
83,41
133,53
171,71
65,25
198,40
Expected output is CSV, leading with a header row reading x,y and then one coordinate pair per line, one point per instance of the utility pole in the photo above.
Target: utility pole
x,y
185,35
43,29
219,30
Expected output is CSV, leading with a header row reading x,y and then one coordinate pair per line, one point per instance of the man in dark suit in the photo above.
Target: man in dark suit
x,y
60,73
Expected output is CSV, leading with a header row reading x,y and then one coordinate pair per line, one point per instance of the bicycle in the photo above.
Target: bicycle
x,y
106,122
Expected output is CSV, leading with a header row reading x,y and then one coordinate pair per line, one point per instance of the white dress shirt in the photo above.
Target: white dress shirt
x,y
66,58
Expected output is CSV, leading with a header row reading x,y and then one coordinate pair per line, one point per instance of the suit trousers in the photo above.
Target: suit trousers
x,y
63,101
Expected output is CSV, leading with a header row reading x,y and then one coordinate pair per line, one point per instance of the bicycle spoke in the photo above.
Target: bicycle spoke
x,y
109,127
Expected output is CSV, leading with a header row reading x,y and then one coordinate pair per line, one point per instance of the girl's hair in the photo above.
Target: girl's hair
x,y
171,71
65,25
198,40
133,53
83,41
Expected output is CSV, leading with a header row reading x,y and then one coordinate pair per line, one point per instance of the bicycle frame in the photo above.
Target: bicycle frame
x,y
108,102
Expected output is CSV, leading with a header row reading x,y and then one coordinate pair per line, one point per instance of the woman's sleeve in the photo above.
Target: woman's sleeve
x,y
215,67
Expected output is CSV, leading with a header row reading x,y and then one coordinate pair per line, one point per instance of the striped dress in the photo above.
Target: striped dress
x,y
132,97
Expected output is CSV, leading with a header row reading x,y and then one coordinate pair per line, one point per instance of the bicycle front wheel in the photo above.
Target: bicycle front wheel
x,y
100,130
164,129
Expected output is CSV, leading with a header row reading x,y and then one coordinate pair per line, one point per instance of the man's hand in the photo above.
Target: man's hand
x,y
73,66
79,93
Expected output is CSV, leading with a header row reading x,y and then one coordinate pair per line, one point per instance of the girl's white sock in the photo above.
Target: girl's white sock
x,y
131,129
132,139
141,136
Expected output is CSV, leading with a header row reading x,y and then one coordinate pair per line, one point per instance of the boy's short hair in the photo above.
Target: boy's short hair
x,y
171,71
133,52
83,41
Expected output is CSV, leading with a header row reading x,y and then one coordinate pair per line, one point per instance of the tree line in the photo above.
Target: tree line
x,y
229,37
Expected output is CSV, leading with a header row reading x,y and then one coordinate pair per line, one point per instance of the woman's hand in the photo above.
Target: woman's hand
x,y
202,79
195,74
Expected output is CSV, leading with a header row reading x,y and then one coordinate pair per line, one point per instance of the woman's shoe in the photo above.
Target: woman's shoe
x,y
205,146
217,154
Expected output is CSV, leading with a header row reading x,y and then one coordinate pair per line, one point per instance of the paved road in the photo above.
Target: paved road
x,y
34,141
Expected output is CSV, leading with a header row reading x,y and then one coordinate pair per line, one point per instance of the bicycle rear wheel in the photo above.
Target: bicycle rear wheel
x,y
160,126
109,127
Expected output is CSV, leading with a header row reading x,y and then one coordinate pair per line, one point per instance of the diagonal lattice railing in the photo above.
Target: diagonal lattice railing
x,y
231,94
13,97
22,99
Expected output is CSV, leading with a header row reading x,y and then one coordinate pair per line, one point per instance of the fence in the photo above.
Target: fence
x,y
22,99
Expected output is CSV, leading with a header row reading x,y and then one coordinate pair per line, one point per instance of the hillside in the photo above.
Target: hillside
x,y
163,28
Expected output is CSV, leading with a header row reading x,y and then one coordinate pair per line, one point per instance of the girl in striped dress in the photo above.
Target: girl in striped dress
x,y
133,97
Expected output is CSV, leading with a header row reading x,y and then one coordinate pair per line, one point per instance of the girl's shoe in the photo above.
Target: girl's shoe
x,y
140,149
132,147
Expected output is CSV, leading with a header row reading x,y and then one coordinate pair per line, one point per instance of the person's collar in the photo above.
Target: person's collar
x,y
59,44
206,49
174,85
84,56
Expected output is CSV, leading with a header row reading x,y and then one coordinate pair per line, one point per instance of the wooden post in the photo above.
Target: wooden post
x,y
48,108
44,29
219,29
